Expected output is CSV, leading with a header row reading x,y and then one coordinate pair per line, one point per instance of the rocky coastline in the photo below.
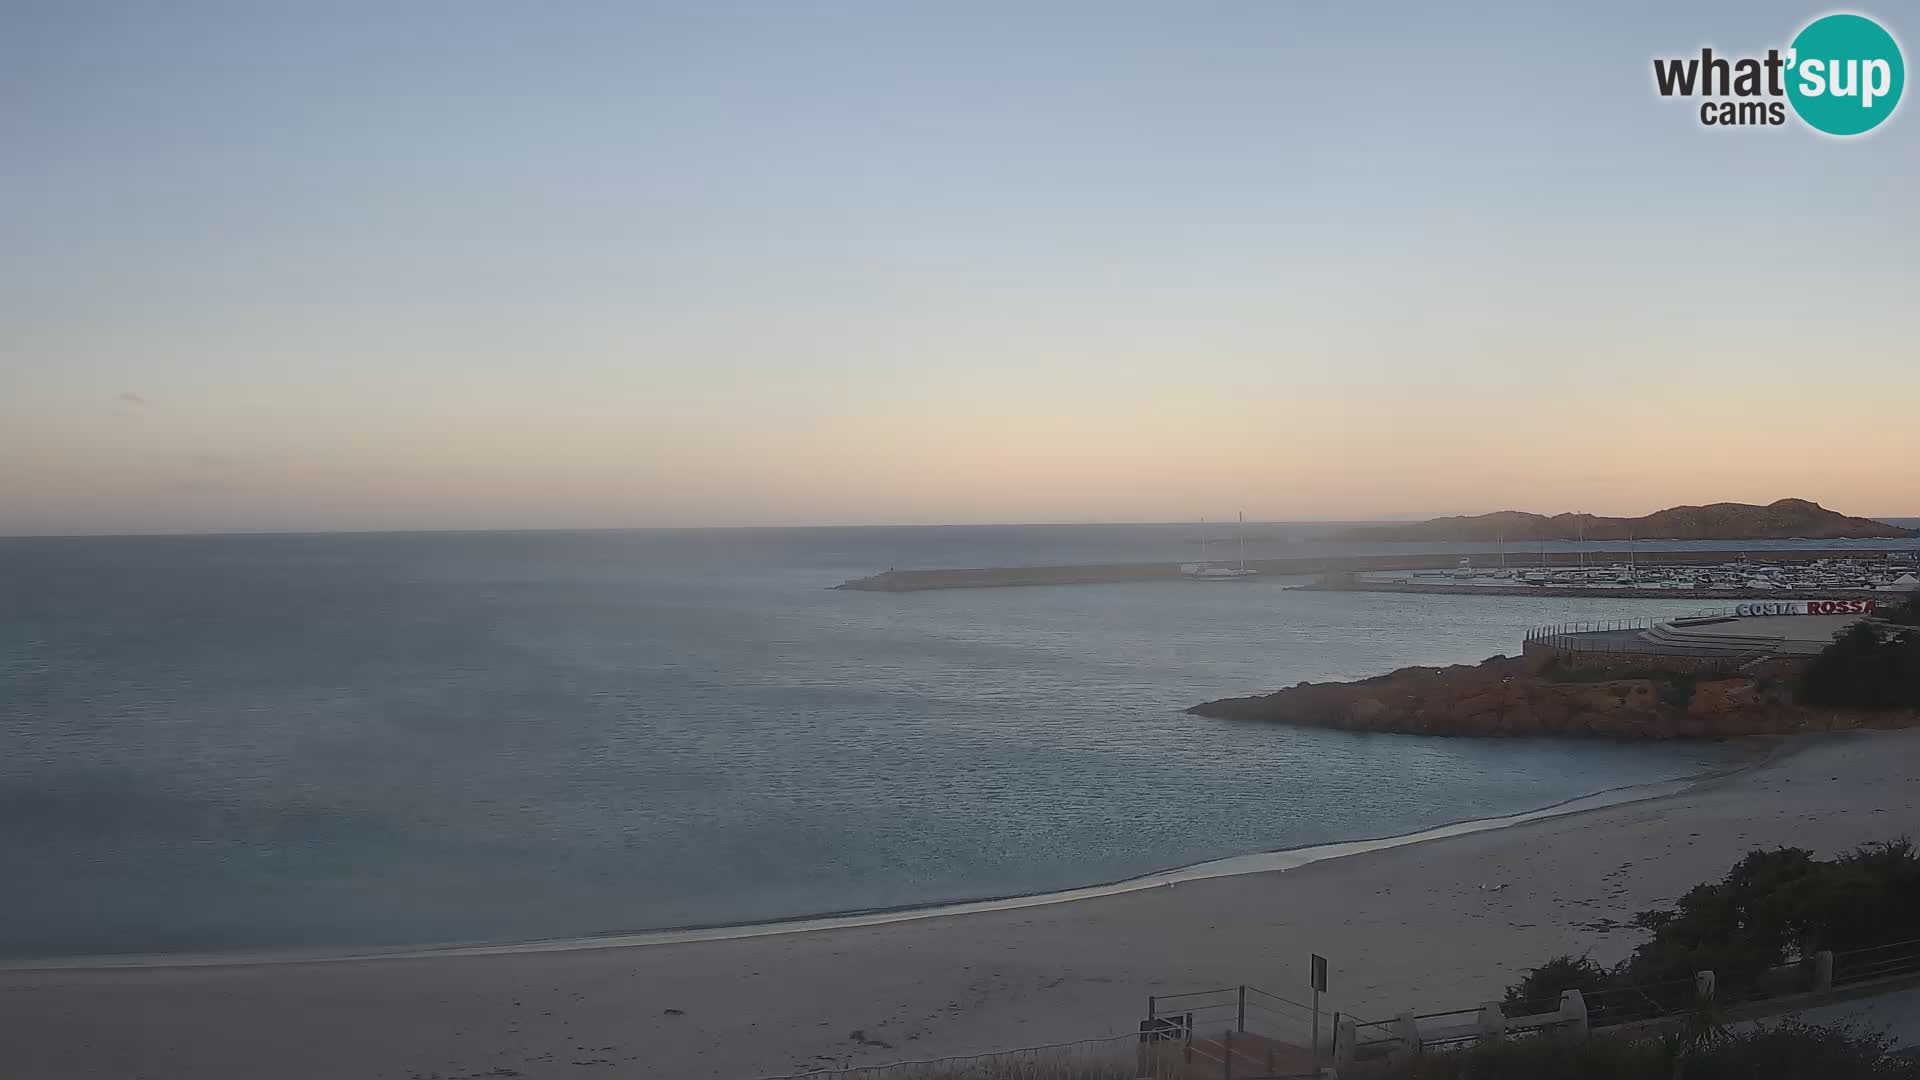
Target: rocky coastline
x,y
1546,695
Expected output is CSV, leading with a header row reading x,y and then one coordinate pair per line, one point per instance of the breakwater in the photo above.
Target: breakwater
x,y
1109,573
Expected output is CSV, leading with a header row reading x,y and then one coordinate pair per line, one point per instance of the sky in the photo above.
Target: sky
x,y
343,265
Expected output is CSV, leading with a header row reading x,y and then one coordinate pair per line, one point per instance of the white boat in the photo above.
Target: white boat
x,y
1214,573
1206,571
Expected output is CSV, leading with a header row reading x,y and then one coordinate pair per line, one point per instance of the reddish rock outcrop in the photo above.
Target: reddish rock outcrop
x,y
1530,696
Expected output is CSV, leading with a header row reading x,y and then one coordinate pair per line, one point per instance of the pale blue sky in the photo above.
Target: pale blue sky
x,y
277,265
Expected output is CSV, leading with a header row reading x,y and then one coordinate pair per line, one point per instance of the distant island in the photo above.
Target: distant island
x,y
1788,519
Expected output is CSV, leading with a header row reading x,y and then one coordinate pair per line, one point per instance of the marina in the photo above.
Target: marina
x,y
1892,572
1779,573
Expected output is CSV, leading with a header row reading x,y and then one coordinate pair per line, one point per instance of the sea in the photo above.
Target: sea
x,y
214,744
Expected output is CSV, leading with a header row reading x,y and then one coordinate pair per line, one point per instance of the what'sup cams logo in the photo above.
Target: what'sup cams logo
x,y
1842,75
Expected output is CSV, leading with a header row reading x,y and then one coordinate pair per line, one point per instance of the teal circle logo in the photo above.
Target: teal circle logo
x,y
1845,74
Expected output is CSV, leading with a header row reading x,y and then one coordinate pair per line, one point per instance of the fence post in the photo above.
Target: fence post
x,y
1226,1058
1408,1030
1152,1001
1823,972
1240,1014
1573,1010
1493,1021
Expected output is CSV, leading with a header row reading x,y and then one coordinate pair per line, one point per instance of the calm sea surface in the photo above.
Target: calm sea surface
x,y
323,741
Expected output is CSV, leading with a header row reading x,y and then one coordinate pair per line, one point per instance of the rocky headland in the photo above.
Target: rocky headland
x,y
1544,695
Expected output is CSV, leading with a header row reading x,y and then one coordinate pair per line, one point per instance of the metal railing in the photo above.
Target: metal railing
x,y
1639,1002
1245,1033
1236,1032
1790,985
1876,962
1452,1027
1581,636
1373,1039
1552,632
1626,637
1237,1008
1464,1027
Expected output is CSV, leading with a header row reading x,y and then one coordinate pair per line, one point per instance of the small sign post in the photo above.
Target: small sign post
x,y
1319,977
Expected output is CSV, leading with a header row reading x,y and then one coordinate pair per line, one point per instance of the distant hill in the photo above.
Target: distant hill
x,y
1788,519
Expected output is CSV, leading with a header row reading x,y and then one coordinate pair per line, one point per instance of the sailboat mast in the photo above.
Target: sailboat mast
x,y
1240,534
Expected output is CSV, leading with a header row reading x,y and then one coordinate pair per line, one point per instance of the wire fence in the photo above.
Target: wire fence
x,y
1559,634
1876,962
1239,1033
1646,1001
1237,1008
1374,1038
1245,1033
1450,1028
1653,638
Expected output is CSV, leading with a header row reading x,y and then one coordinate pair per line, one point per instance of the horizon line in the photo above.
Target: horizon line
x,y
189,534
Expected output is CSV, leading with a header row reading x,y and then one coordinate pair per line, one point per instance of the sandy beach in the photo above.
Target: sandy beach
x,y
1436,924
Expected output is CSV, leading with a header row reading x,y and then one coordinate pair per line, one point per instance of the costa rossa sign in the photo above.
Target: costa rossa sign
x,y
1805,607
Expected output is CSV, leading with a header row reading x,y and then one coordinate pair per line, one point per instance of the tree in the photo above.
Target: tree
x,y
1772,908
1866,668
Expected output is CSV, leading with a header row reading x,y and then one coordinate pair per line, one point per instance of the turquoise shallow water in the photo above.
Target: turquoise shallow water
x,y
214,743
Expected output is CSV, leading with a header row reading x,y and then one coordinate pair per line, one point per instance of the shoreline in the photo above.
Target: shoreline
x,y
1421,926
1765,750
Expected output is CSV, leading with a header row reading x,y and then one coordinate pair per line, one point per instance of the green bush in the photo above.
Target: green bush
x,y
1737,928
1907,613
1791,1050
1866,669
1785,1051
1672,687
1539,991
1772,908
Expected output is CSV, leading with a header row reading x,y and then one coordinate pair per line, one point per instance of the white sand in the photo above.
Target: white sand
x,y
1419,926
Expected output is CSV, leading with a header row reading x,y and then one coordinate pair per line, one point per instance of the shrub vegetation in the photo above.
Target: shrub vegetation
x,y
1784,1051
1867,667
1772,909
